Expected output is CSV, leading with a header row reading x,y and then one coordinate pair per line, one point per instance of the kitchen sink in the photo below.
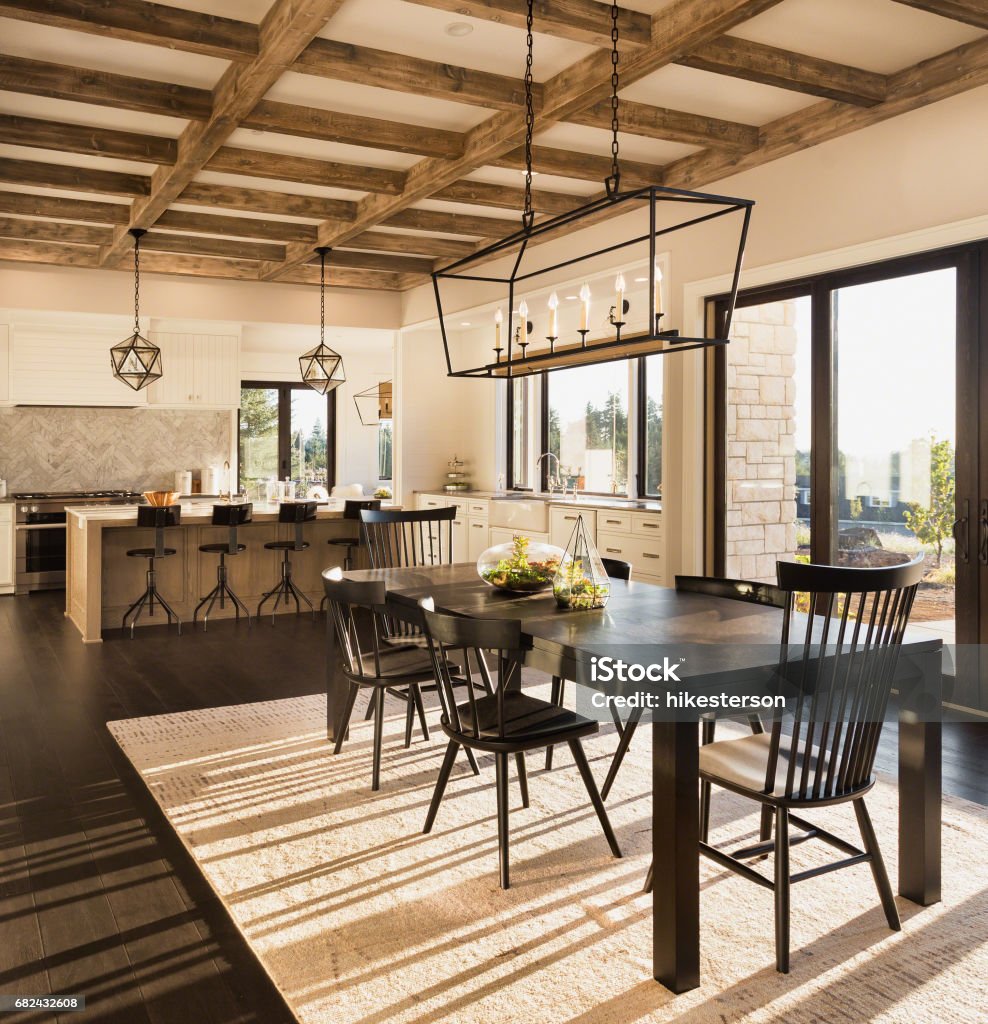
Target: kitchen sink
x,y
520,512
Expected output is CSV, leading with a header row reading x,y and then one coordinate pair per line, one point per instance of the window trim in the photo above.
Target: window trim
x,y
284,389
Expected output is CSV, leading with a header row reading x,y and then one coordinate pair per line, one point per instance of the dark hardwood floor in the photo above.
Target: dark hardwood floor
x,y
97,897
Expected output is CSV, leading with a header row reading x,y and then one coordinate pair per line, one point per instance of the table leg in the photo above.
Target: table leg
x,y
675,856
337,685
920,797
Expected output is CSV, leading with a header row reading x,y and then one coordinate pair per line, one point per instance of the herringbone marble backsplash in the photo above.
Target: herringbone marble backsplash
x,y
47,449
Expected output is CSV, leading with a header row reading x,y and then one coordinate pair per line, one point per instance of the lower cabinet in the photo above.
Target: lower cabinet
x,y
501,535
6,549
477,537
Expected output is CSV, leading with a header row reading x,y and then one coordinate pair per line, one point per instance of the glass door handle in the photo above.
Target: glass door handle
x,y
961,531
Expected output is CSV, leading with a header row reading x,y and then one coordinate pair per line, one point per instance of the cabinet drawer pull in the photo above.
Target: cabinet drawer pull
x,y
648,554
613,551
613,522
478,526
569,518
650,526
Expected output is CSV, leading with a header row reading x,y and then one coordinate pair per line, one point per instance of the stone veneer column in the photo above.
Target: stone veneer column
x,y
761,446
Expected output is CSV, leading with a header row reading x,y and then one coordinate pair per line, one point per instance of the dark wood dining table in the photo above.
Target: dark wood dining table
x,y
563,643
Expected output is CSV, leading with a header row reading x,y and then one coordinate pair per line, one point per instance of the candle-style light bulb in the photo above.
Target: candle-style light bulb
x,y
498,320
658,289
585,307
523,323
619,287
553,306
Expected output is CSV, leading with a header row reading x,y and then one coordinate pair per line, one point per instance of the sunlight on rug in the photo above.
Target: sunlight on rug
x,y
360,919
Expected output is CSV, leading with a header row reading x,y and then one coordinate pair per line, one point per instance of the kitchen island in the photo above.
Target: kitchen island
x,y
101,581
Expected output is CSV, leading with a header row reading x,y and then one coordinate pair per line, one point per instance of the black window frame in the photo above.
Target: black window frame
x,y
640,393
285,389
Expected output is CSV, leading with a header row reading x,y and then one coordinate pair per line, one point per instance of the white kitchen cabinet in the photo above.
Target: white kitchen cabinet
x,y
461,538
6,548
200,370
562,522
63,363
634,537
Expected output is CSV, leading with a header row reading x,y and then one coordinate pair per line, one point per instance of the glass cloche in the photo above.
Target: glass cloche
x,y
520,566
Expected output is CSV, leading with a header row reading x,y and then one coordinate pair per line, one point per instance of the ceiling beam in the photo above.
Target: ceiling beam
x,y
346,62
142,22
288,27
586,21
33,251
285,204
768,65
450,223
353,129
419,245
971,12
583,166
305,170
671,125
507,197
376,261
76,138
161,241
53,231
238,227
83,85
73,179
29,205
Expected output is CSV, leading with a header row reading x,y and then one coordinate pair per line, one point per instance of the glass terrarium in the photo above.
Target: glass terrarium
x,y
581,581
520,566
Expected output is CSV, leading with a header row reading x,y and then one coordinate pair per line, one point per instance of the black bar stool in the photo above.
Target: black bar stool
x,y
297,513
157,517
230,516
351,510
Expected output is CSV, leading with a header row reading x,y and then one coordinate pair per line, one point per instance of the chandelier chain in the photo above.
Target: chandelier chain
x,y
322,297
614,181
528,215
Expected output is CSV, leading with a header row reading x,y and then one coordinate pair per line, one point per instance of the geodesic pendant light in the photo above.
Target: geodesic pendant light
x,y
136,361
322,368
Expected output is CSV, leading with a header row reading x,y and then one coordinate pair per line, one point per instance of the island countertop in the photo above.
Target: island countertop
x,y
102,581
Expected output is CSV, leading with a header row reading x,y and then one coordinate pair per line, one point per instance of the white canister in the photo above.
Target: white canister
x,y
210,480
183,481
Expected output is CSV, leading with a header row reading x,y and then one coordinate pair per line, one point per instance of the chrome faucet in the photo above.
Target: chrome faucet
x,y
551,483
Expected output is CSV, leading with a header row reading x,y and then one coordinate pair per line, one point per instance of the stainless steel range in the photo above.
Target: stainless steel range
x,y
39,526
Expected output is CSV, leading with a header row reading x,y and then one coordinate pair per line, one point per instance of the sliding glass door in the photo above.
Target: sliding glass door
x,y
844,422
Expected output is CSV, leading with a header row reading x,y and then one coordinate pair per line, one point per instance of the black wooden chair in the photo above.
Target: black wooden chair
x,y
715,586
838,668
616,569
506,721
385,670
352,508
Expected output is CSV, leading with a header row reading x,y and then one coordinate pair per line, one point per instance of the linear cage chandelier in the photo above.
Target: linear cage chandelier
x,y
136,361
550,307
322,367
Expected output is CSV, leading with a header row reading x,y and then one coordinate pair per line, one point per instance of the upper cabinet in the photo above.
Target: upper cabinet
x,y
66,364
200,370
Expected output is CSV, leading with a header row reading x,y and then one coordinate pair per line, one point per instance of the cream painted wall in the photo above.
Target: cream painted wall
x,y
163,295
920,170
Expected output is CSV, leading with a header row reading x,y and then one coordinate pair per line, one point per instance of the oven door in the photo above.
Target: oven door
x,y
40,555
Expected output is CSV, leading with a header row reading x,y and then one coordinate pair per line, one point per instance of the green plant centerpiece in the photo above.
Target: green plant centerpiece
x,y
520,566
581,582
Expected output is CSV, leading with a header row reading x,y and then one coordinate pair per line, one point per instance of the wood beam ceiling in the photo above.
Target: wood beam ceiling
x,y
287,28
672,125
283,204
679,28
75,138
29,205
74,179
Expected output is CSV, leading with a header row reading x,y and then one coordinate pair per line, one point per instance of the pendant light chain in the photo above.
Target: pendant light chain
x,y
137,282
528,217
322,297
613,182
